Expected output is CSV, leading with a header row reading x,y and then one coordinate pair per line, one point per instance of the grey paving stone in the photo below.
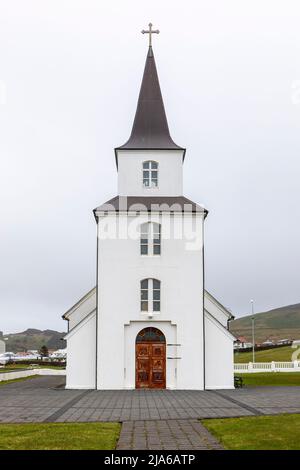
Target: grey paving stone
x,y
44,399
169,435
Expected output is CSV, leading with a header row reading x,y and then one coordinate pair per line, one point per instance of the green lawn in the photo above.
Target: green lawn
x,y
59,436
269,355
257,433
13,367
271,378
6,382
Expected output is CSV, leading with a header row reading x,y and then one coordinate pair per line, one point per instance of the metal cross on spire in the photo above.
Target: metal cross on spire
x,y
150,31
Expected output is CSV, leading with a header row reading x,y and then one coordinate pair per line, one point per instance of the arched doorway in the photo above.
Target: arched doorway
x,y
150,359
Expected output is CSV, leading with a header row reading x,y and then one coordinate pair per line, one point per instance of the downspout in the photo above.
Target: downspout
x,y
203,293
97,253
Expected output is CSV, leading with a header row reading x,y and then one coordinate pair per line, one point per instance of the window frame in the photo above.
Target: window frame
x,y
150,239
149,289
152,169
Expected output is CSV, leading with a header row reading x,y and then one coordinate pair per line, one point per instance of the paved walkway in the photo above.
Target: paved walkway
x,y
152,419
44,399
267,400
185,434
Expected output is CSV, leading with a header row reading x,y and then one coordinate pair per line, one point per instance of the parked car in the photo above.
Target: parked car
x,y
6,357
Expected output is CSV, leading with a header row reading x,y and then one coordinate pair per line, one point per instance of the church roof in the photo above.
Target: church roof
x,y
150,203
150,127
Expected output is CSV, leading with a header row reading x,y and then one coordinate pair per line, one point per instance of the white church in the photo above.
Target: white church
x,y
149,322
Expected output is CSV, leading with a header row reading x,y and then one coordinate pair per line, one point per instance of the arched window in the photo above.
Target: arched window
x,y
150,295
150,174
150,238
150,335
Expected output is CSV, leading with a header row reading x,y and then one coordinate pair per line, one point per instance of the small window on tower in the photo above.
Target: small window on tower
x,y
156,238
150,174
156,295
144,239
150,295
150,238
144,295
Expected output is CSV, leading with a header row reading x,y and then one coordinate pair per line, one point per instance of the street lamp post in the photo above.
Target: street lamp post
x,y
253,331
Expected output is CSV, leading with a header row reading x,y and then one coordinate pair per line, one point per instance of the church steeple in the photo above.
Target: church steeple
x,y
150,130
150,127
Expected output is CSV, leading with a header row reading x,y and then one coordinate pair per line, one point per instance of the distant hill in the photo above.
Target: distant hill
x,y
273,354
279,323
34,339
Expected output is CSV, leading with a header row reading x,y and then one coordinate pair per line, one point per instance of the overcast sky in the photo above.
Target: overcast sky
x,y
70,73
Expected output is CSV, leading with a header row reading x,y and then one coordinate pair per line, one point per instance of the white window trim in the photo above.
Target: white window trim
x,y
150,310
150,238
151,186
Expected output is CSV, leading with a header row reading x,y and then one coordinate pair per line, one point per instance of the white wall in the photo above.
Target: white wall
x,y
121,267
170,331
181,274
130,172
82,309
215,309
218,355
81,359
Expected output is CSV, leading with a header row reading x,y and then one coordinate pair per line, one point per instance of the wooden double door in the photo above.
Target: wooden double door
x,y
150,365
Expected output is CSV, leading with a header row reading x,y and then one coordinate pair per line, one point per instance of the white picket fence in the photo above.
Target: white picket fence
x,y
281,366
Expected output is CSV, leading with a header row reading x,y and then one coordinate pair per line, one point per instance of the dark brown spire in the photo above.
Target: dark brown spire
x,y
150,128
